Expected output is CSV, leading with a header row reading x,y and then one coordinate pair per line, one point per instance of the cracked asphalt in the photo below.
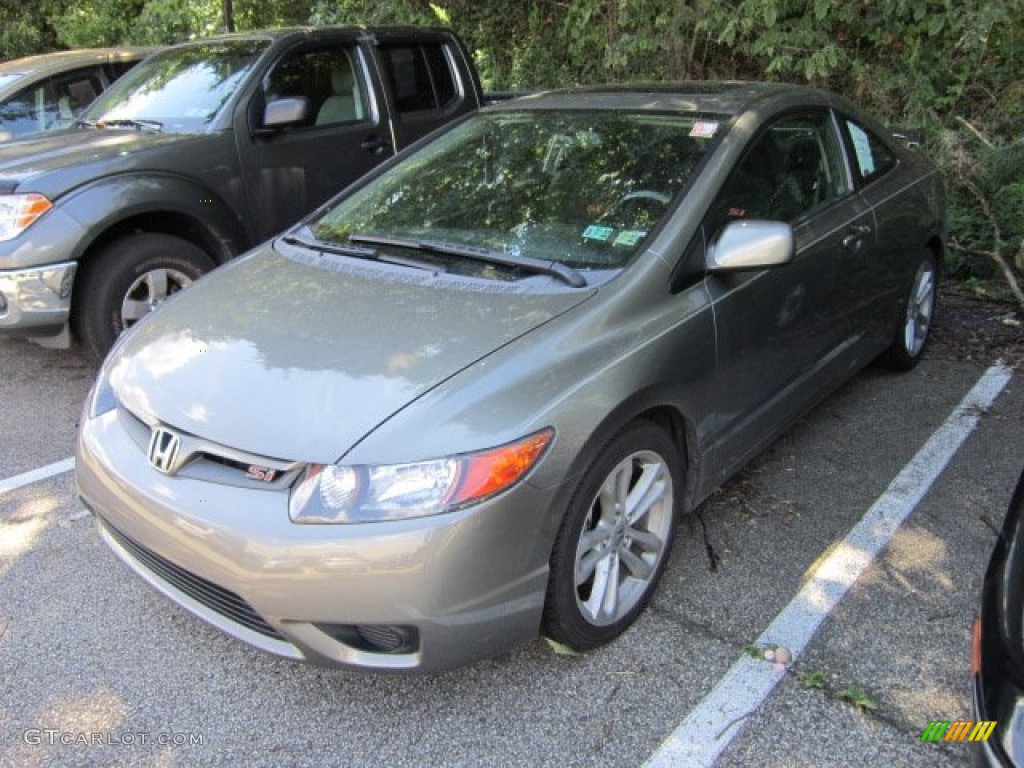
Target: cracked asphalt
x,y
87,648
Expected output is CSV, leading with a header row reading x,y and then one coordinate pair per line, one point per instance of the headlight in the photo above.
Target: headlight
x,y
17,212
336,493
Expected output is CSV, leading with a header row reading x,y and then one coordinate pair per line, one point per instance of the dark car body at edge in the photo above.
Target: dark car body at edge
x,y
999,645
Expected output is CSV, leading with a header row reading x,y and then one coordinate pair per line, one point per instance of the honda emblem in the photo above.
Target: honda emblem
x,y
163,449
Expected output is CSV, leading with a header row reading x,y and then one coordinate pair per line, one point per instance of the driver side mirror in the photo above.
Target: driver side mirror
x,y
286,111
754,244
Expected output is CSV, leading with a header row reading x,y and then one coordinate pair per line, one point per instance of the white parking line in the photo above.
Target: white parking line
x,y
719,718
50,470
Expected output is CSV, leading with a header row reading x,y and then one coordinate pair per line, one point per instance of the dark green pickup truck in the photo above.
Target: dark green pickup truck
x,y
199,153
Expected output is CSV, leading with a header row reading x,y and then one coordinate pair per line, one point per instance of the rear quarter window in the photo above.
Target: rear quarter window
x,y
870,157
420,76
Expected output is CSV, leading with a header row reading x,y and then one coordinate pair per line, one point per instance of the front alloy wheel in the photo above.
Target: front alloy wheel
x,y
615,538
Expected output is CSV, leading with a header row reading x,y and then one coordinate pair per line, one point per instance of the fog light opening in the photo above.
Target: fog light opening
x,y
375,638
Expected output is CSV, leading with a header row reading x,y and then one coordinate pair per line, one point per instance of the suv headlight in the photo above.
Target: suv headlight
x,y
18,212
335,493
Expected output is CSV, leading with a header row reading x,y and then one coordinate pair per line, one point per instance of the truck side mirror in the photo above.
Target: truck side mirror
x,y
285,111
751,244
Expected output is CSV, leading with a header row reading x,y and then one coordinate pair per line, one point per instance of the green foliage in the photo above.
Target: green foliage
x,y
561,649
951,67
859,698
813,679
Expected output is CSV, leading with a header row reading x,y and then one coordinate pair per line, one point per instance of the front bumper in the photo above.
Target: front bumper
x,y
460,586
37,300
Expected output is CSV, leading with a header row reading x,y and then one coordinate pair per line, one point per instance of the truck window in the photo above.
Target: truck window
x,y
327,77
183,88
24,112
74,93
419,75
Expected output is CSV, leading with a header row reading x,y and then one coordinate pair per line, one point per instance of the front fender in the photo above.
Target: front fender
x,y
105,204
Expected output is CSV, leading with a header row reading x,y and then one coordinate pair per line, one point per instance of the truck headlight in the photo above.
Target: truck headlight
x,y
336,493
18,212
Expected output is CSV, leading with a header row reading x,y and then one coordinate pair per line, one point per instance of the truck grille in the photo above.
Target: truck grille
x,y
223,601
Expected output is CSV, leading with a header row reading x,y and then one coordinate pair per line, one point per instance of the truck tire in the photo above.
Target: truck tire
x,y
126,280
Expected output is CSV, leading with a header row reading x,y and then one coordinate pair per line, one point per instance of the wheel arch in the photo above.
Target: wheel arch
x,y
937,248
656,406
123,205
158,203
164,222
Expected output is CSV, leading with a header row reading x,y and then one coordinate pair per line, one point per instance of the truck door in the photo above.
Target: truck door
x,y
425,84
343,133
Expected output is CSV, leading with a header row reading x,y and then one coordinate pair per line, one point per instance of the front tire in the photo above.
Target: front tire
x,y
128,279
615,538
914,323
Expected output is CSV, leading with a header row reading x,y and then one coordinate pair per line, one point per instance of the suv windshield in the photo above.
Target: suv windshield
x,y
179,90
581,188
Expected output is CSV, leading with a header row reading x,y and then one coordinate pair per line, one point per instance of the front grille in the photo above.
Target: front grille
x,y
205,460
218,599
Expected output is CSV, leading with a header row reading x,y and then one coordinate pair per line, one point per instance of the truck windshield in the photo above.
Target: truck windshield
x,y
581,188
180,90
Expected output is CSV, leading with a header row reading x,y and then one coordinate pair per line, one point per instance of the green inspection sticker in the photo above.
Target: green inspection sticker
x,y
596,232
630,237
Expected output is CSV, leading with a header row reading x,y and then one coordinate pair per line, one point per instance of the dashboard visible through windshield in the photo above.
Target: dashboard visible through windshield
x,y
579,188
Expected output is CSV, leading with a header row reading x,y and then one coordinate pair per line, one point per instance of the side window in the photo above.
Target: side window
x,y
74,93
871,158
19,114
326,78
419,75
117,68
792,169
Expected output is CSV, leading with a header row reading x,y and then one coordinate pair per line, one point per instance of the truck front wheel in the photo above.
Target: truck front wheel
x,y
127,280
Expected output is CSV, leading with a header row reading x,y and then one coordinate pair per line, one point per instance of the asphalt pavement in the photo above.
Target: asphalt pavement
x,y
98,669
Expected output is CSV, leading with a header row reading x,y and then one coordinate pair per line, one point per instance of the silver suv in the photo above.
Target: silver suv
x,y
48,91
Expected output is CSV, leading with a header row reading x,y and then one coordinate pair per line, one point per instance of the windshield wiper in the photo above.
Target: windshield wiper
x,y
358,252
80,122
137,123
537,266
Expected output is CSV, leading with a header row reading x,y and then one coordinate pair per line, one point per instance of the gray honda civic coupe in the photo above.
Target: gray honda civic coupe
x,y
468,401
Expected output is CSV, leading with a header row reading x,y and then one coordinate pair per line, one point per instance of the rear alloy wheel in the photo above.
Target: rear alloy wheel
x,y
127,280
615,538
914,324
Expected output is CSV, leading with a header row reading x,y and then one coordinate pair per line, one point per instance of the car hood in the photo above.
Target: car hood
x,y
298,358
77,153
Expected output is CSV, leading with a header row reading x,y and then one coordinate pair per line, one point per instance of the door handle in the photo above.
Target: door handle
x,y
376,144
855,236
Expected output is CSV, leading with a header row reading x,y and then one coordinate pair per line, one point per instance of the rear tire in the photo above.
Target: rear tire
x,y
615,538
126,280
914,323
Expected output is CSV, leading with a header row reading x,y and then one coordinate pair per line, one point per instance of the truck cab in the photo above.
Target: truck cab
x,y
201,152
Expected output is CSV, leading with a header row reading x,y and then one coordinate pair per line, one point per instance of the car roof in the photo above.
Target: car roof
x,y
279,33
727,97
61,61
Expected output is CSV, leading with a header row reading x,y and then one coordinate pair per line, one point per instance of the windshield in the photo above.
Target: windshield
x,y
582,188
9,78
179,90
